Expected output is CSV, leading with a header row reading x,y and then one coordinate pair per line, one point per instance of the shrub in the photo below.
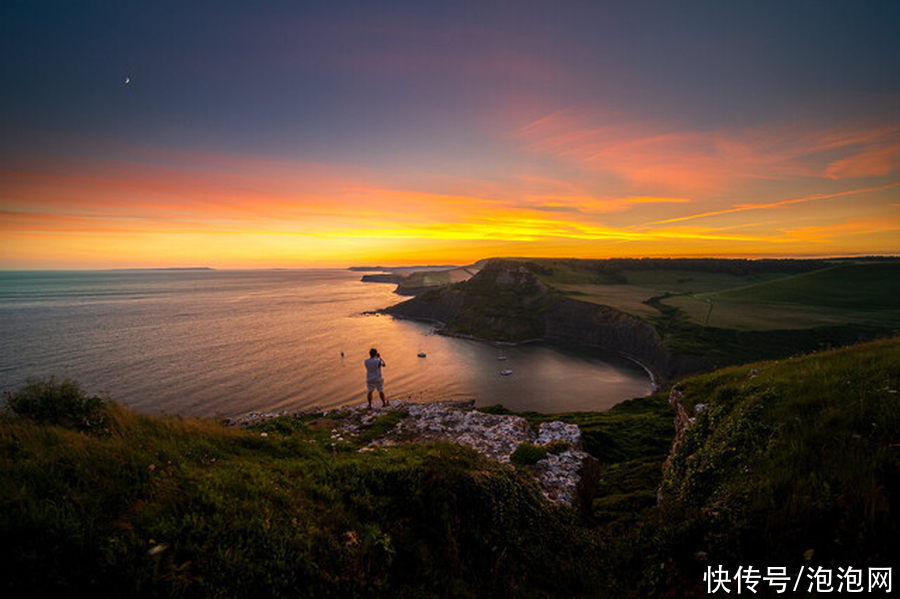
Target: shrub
x,y
528,454
64,404
557,447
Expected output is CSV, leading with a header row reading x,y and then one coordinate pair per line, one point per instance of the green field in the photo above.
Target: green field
x,y
831,294
864,294
641,285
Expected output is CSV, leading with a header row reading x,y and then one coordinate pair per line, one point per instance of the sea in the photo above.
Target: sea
x,y
220,343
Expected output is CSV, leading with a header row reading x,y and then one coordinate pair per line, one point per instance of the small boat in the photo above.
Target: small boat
x,y
506,372
501,357
421,354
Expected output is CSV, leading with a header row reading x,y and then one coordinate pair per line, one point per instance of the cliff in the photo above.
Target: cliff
x,y
521,300
506,301
413,281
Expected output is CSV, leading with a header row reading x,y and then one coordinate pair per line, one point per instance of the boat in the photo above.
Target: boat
x,y
421,354
501,357
506,372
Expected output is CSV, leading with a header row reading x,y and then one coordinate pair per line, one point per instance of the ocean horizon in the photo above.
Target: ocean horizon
x,y
206,342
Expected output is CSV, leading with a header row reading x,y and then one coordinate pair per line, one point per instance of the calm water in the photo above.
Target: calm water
x,y
209,343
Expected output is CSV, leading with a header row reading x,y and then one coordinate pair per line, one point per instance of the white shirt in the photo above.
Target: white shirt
x,y
373,368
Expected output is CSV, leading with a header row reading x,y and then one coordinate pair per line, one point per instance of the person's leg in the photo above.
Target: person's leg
x,y
369,397
383,400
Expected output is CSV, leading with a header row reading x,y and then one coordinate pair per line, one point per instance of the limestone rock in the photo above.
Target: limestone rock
x,y
569,477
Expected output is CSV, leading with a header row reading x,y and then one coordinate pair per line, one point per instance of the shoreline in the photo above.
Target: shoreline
x,y
441,329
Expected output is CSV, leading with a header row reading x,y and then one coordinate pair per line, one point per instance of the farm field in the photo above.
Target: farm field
x,y
629,289
862,294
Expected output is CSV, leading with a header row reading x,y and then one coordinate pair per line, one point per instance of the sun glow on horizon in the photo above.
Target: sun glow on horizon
x,y
326,136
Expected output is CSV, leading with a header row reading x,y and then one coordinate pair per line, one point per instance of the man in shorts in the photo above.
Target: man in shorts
x,y
374,364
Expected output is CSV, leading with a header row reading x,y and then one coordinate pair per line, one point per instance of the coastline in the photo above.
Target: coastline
x,y
441,329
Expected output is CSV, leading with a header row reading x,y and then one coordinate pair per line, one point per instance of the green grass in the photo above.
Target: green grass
x,y
686,281
710,347
872,286
174,507
627,290
510,299
793,456
789,459
863,294
488,310
633,429
627,298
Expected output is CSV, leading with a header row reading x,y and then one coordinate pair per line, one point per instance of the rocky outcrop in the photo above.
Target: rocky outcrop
x,y
569,477
440,306
682,423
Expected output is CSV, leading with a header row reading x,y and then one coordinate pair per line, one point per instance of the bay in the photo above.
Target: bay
x,y
222,343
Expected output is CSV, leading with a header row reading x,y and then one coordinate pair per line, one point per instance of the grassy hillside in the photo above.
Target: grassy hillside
x,y
787,463
865,293
126,505
850,286
626,284
790,461
693,328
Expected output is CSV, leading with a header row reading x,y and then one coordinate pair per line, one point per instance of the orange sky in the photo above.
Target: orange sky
x,y
746,193
313,134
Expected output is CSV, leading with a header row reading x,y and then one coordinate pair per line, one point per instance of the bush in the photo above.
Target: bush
x,y
557,447
528,454
63,404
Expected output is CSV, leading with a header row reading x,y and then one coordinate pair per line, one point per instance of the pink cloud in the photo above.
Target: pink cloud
x,y
654,158
874,162
852,226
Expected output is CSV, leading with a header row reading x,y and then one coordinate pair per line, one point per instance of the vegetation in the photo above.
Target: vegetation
x,y
790,461
787,463
176,507
62,403
504,310
864,293
527,454
708,313
720,347
633,429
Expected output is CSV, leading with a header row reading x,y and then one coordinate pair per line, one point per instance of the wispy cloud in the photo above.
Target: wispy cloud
x,y
778,204
853,226
651,156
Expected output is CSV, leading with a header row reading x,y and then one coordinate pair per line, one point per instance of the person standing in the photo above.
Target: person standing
x,y
374,380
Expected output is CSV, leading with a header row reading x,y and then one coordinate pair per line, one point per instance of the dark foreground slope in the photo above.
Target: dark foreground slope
x,y
124,505
622,306
790,463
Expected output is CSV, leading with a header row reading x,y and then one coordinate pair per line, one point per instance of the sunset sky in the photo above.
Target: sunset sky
x,y
278,134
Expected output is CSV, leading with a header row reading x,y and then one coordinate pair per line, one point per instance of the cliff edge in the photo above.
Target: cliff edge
x,y
507,301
